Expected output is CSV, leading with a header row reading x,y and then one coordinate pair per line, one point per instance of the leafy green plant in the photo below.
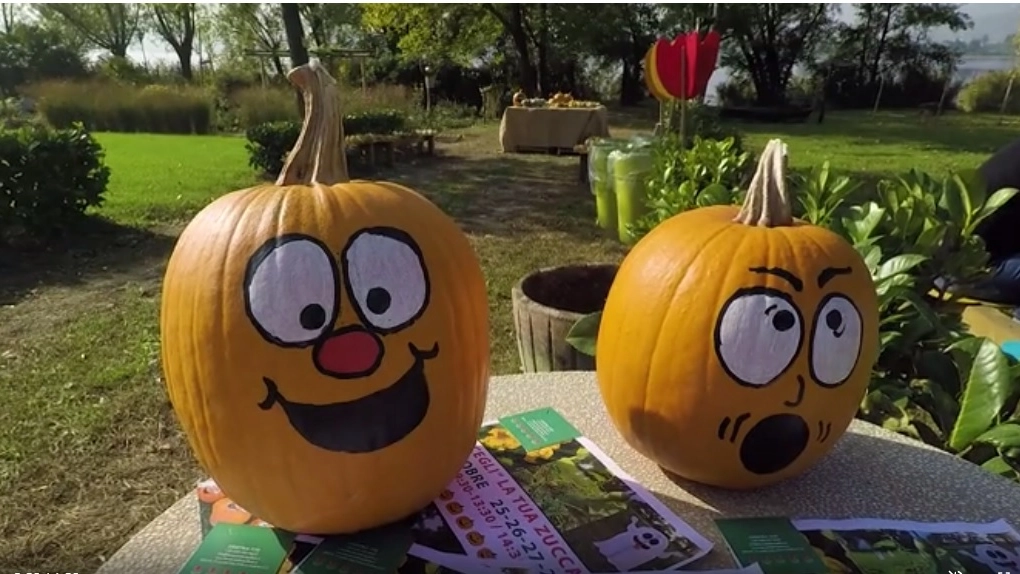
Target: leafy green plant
x,y
708,172
48,178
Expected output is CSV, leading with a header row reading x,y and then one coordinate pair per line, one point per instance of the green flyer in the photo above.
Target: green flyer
x,y
379,550
773,542
240,548
539,428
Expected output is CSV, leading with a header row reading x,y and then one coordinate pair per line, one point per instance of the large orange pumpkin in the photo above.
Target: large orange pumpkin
x,y
736,344
325,341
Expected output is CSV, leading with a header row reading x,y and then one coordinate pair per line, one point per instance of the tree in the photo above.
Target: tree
x,y
244,27
766,41
30,53
110,27
176,25
9,17
881,30
618,34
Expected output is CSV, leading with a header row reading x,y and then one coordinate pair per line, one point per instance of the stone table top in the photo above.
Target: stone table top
x,y
871,473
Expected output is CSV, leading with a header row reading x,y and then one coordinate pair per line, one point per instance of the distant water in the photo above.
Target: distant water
x,y
970,66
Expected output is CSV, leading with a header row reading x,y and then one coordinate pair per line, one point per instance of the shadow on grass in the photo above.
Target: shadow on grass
x,y
507,194
97,246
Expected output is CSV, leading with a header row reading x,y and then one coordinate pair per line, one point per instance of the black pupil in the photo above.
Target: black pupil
x,y
783,320
313,317
378,300
834,319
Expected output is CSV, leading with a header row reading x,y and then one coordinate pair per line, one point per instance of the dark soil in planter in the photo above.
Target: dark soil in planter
x,y
580,289
547,303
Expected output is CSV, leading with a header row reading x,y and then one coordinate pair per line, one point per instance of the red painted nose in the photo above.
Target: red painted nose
x,y
349,353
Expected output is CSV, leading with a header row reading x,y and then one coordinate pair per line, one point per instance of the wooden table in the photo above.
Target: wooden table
x,y
550,129
871,473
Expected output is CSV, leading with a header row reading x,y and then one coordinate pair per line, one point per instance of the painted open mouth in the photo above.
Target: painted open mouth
x,y
368,424
637,542
774,443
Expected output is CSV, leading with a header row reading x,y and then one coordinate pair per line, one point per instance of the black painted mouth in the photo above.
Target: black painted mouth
x,y
368,424
639,543
774,443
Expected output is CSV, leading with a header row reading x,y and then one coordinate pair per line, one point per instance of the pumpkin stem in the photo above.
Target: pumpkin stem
x,y
318,156
767,203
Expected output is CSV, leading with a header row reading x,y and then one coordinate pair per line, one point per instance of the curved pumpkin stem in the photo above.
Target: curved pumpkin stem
x,y
318,156
767,203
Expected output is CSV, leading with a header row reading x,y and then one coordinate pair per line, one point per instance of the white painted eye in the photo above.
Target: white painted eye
x,y
758,335
386,278
836,341
290,290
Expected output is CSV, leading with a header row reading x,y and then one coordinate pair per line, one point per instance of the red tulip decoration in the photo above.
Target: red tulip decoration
x,y
679,69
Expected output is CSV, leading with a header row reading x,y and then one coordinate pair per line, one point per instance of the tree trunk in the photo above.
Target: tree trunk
x,y
630,85
544,77
295,43
184,55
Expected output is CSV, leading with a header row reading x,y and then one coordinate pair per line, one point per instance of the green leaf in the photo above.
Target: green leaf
x,y
584,333
973,186
997,200
997,465
1002,437
984,393
953,202
899,264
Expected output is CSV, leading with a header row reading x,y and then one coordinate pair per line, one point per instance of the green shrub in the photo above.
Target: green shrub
x,y
446,115
984,93
116,107
48,178
269,143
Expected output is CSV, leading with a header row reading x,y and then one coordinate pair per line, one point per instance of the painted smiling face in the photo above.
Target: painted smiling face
x,y
736,354
323,343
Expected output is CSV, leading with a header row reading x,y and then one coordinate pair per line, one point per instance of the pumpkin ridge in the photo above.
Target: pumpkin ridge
x,y
318,156
768,202
665,316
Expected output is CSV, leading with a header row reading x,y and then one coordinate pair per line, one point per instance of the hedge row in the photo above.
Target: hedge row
x,y
269,143
122,107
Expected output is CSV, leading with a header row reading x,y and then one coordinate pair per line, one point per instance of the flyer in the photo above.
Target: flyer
x,y
561,505
564,507
870,546
876,546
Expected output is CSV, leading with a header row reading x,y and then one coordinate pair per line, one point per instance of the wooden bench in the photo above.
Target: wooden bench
x,y
427,142
582,167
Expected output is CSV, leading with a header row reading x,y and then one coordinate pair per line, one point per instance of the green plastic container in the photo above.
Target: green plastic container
x,y
629,168
601,182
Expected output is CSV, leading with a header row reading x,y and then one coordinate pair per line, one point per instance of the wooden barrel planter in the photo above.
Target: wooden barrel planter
x,y
547,303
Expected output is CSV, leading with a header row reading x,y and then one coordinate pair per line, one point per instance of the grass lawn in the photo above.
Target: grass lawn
x,y
89,450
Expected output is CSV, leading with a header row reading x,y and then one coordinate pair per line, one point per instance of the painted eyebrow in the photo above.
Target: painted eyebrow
x,y
797,284
829,273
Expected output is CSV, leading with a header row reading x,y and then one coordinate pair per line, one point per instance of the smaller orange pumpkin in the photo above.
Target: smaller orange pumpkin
x,y
736,344
227,511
